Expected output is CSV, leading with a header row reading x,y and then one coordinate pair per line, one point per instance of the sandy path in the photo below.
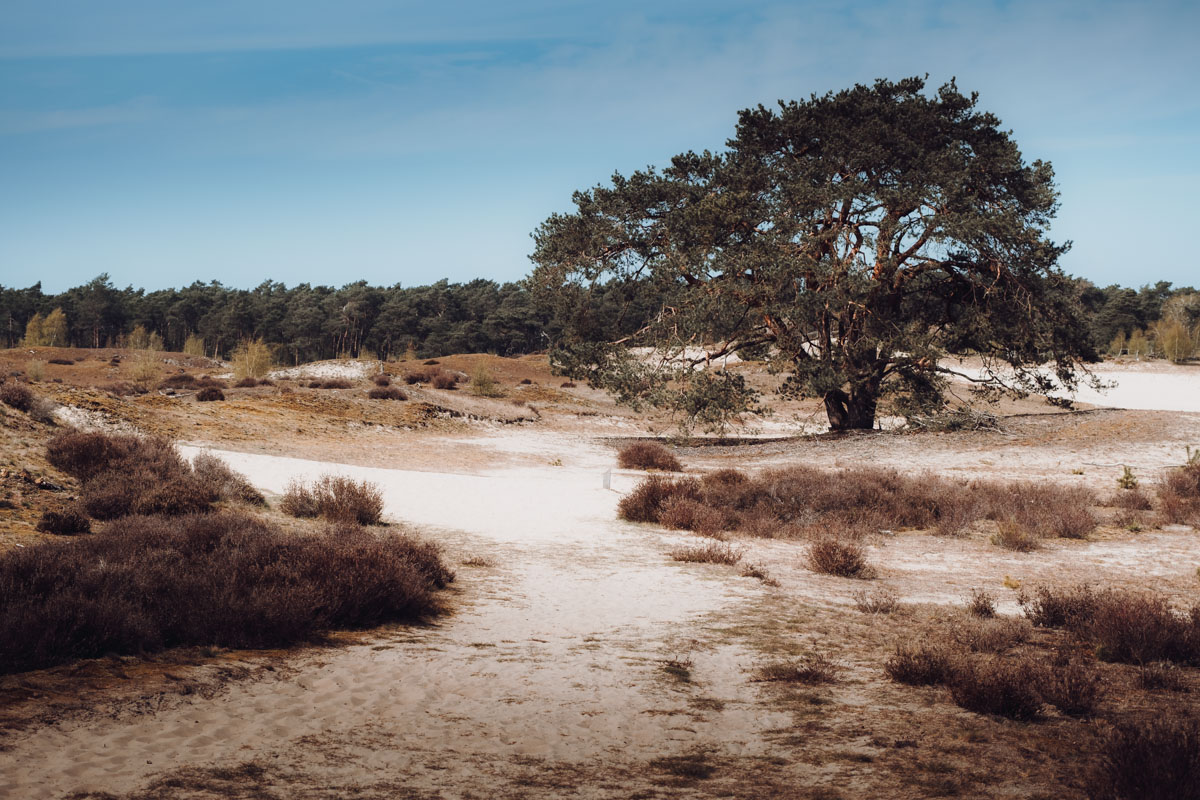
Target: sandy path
x,y
556,656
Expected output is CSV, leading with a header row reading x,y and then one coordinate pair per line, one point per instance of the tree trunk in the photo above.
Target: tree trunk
x,y
853,411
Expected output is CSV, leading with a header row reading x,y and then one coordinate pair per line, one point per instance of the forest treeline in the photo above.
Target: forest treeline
x,y
307,323
302,323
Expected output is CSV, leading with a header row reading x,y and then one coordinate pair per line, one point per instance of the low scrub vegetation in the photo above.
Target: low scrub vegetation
x,y
210,394
803,501
225,579
68,522
181,380
707,553
844,559
810,669
335,498
1149,759
381,380
1015,687
1179,493
648,455
16,395
386,392
125,474
1122,626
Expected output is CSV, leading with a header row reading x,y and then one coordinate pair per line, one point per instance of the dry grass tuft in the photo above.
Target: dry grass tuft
x,y
811,669
1179,493
879,601
707,553
981,604
759,572
648,455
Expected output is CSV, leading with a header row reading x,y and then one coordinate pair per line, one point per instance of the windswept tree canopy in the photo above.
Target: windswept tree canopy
x,y
853,239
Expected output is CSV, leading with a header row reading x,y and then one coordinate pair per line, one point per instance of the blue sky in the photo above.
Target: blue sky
x,y
403,142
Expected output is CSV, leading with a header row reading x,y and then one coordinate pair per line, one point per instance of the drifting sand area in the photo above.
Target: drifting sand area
x,y
548,678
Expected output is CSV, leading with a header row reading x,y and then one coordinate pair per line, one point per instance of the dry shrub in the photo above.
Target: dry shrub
x,y
810,669
431,362
707,553
1149,759
66,362
180,381
683,513
1073,688
335,383
1126,627
991,635
1012,535
1050,608
567,385
68,522
920,665
210,394
314,384
832,556
246,383
124,475
645,503
759,572
1131,500
227,484
1042,510
122,388
16,395
445,381
381,380
140,585
1162,675
981,604
996,686
648,455
209,382
335,498
1179,494
879,601
386,393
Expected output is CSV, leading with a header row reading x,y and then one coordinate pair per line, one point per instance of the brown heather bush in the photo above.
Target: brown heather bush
x,y
123,475
445,381
431,362
1006,688
844,559
66,362
1179,494
209,382
1073,688
981,604
1011,535
567,385
68,522
381,380
880,601
246,383
228,580
335,498
707,553
1125,627
314,384
335,383
648,455
990,635
1149,759
683,513
386,393
16,395
1131,500
1162,675
181,380
921,665
210,394
810,669
122,388
227,484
